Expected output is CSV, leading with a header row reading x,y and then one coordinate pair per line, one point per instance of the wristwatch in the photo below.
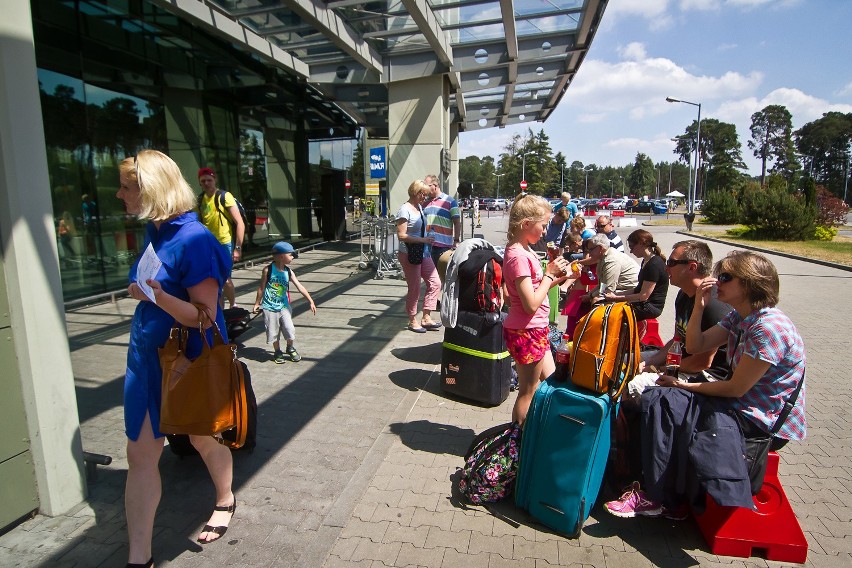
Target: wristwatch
x,y
238,248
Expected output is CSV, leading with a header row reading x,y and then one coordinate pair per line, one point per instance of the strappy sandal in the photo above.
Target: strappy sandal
x,y
148,564
218,531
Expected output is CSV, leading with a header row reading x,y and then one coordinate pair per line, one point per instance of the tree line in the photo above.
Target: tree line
x,y
818,153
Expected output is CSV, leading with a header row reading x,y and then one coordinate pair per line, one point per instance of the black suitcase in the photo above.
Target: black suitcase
x,y
180,445
475,363
237,321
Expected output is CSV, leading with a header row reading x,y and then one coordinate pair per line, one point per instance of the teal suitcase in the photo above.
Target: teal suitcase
x,y
564,451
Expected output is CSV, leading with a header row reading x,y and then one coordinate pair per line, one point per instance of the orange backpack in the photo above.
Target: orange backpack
x,y
605,356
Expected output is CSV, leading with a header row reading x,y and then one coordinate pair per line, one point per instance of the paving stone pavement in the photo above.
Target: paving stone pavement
x,y
356,445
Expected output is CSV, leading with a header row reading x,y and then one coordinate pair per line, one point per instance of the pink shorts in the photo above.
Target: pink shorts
x,y
526,346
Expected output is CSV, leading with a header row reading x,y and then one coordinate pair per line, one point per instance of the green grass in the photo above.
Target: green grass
x,y
839,250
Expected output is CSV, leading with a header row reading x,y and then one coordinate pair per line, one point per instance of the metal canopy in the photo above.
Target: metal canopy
x,y
507,61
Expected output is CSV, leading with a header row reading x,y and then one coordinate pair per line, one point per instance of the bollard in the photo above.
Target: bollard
x,y
92,462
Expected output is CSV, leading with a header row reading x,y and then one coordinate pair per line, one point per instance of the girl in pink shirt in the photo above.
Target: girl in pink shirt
x,y
525,328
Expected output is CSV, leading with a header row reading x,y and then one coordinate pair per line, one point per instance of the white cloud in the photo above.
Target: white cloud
x,y
726,46
845,91
634,51
640,87
804,108
655,11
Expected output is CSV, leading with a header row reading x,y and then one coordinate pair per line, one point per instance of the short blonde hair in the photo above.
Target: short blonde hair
x,y
163,190
578,224
416,187
526,207
757,274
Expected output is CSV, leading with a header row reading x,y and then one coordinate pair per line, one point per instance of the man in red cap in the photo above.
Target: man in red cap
x,y
218,210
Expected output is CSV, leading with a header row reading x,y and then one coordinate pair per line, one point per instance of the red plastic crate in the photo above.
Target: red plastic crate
x,y
772,528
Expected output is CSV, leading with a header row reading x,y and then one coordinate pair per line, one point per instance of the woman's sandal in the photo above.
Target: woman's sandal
x,y
219,531
148,564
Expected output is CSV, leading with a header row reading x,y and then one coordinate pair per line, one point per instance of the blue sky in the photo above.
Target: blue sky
x,y
732,56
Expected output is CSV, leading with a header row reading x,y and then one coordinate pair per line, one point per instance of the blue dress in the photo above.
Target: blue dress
x,y
190,254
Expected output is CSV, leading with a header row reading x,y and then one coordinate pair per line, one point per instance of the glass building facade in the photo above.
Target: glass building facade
x,y
119,76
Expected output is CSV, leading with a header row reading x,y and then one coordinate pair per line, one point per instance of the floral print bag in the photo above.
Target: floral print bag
x,y
491,464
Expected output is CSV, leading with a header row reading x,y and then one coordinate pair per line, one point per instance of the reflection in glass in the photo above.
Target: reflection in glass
x,y
88,130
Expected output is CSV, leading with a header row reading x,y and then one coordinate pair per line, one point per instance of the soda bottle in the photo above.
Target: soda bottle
x,y
673,358
563,359
552,251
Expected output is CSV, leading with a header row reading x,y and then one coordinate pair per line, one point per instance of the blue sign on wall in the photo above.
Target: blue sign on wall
x,y
378,164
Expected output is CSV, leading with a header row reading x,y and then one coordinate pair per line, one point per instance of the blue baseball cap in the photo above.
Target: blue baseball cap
x,y
282,247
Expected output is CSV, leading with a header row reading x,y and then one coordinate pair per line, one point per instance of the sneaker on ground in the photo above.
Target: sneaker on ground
x,y
632,503
679,513
279,357
294,355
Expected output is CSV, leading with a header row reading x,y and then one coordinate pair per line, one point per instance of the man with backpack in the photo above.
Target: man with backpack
x,y
220,212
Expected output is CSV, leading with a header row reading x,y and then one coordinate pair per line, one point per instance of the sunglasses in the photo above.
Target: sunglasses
x,y
725,277
675,261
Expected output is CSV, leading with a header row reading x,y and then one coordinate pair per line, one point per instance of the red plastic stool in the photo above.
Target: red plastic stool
x,y
773,528
652,333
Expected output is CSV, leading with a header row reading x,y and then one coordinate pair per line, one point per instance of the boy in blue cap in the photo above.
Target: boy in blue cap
x,y
273,296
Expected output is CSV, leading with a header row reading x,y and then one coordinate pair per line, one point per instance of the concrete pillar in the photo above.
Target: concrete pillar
x,y
31,266
453,177
418,124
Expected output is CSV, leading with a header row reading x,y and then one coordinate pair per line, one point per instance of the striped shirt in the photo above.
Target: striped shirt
x,y
440,213
769,335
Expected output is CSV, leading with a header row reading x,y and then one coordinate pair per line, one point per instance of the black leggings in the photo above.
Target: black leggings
x,y
645,310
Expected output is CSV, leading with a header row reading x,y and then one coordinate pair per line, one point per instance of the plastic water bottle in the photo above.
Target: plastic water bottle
x,y
673,358
563,359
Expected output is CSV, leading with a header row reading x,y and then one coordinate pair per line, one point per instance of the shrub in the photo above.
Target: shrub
x,y
831,210
774,213
721,208
737,231
825,233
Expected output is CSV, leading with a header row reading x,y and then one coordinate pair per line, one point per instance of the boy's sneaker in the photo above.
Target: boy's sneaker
x,y
634,502
679,513
294,355
279,357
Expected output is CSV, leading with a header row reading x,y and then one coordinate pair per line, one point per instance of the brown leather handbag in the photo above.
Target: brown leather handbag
x,y
205,396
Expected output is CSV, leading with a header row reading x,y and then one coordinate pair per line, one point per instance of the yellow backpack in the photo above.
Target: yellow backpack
x,y
605,356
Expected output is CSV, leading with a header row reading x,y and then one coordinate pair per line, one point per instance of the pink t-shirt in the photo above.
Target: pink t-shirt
x,y
518,262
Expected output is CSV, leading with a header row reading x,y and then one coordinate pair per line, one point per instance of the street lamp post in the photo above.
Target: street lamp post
x,y
562,181
586,194
697,149
498,183
524,165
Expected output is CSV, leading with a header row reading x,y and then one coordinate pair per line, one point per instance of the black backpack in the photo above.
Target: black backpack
x,y
480,278
219,201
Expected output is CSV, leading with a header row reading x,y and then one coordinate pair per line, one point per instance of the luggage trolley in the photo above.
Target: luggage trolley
x,y
385,245
368,255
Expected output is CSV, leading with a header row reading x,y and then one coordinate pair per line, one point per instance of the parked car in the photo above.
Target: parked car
x,y
500,204
640,206
554,202
604,202
617,204
696,205
660,207
486,204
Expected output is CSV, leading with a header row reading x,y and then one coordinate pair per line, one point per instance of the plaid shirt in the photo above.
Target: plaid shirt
x,y
769,335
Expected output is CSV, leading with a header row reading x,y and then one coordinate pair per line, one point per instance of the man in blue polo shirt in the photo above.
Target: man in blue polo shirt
x,y
443,217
